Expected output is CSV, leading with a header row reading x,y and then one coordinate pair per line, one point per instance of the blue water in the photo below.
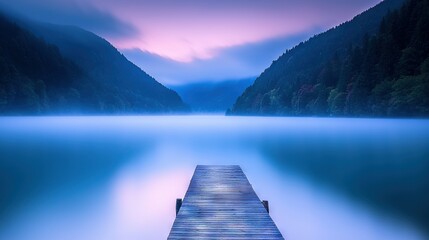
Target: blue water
x,y
118,177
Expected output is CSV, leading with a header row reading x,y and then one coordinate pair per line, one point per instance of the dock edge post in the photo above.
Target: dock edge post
x,y
178,205
265,203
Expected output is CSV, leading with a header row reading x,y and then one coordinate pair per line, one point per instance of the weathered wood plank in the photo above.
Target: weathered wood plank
x,y
221,204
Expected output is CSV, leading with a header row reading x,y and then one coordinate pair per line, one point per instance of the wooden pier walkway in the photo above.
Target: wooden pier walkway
x,y
221,204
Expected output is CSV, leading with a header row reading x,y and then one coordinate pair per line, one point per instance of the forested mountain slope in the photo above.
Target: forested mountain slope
x,y
34,76
374,65
133,87
50,69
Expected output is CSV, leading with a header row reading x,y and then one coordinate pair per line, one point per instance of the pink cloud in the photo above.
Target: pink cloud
x,y
188,30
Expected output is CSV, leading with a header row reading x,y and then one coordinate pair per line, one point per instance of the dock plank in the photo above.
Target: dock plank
x,y
221,204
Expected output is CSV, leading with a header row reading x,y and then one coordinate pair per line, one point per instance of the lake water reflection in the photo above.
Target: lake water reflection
x,y
118,177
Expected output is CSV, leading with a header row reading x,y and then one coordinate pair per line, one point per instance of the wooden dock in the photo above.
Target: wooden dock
x,y
221,204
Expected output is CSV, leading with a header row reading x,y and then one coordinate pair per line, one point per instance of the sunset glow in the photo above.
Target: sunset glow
x,y
190,34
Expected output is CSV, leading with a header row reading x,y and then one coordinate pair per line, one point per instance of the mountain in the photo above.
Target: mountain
x,y
355,69
212,97
34,76
52,69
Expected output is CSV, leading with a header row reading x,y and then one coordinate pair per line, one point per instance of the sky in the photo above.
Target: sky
x,y
182,41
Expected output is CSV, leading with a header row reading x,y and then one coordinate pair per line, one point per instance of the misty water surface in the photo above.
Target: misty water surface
x,y
118,177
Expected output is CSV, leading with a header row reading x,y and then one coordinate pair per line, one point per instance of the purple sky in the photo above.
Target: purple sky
x,y
179,41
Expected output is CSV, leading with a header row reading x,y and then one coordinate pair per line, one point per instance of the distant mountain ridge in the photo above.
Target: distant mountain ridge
x,y
315,77
212,97
102,80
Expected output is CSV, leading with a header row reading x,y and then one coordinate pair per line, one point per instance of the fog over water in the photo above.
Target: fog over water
x,y
118,177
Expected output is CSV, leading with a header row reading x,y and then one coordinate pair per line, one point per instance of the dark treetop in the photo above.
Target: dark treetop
x,y
375,65
51,69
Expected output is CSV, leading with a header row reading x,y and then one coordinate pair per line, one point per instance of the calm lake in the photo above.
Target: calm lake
x,y
67,178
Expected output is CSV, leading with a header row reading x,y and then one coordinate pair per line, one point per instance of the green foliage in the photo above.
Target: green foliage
x,y
410,96
381,95
380,71
337,102
37,77
425,66
408,63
